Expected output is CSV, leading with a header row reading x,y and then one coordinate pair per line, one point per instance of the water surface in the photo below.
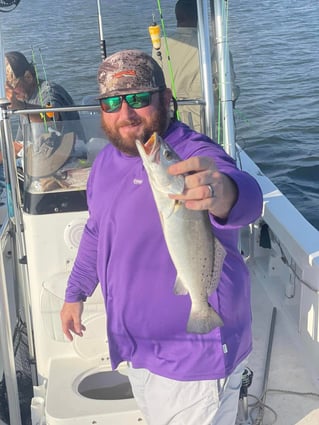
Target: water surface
x,y
275,49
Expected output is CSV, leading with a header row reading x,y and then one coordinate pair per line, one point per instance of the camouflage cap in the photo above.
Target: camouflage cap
x,y
11,79
16,66
129,71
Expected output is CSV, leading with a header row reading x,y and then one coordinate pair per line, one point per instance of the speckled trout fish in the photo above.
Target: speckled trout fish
x,y
196,253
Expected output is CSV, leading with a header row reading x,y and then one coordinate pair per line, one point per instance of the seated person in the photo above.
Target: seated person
x,y
184,59
26,91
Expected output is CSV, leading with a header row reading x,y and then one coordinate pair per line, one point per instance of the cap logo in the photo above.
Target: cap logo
x,y
127,73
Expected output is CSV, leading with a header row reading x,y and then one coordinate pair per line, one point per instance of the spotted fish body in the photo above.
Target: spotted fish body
x,y
196,253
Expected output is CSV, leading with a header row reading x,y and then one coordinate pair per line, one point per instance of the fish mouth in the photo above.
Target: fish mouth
x,y
151,144
150,150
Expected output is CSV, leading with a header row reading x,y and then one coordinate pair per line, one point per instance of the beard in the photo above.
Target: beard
x,y
157,121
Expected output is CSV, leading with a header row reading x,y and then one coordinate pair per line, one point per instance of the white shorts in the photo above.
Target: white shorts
x,y
165,401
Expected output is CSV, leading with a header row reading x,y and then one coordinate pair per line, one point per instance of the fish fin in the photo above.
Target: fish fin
x,y
203,320
219,256
179,288
167,209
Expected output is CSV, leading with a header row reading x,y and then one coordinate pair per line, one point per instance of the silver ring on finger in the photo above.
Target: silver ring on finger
x,y
211,190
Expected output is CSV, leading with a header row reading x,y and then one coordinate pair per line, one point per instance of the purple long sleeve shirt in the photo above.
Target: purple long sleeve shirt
x,y
123,248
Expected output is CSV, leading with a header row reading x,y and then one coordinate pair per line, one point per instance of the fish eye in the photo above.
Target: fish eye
x,y
168,154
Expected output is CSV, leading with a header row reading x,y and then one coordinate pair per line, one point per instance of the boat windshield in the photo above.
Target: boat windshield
x,y
58,157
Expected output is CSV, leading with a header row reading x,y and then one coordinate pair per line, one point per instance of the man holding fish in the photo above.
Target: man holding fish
x,y
166,205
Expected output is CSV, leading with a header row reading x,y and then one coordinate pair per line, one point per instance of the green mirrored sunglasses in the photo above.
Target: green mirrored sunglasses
x,y
134,100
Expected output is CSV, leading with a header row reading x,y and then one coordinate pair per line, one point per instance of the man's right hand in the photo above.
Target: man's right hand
x,y
71,319
17,146
11,96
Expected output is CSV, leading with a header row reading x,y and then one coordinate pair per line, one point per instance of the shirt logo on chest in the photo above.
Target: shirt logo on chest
x,y
137,181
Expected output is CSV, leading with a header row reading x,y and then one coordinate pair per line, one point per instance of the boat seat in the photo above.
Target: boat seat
x,y
83,389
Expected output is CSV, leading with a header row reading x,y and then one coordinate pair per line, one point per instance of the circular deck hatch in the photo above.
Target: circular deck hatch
x,y
106,385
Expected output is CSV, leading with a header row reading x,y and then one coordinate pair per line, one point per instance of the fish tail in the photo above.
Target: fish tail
x,y
203,320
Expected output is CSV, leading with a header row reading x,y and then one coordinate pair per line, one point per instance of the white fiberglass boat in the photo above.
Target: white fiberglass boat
x,y
46,380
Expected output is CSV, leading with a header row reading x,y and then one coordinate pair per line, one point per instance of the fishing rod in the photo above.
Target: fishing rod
x,y
48,114
43,116
170,68
102,40
154,31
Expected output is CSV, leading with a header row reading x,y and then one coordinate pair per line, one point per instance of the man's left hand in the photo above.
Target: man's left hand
x,y
205,187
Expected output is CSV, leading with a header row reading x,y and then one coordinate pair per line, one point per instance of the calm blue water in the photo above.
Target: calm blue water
x,y
275,45
275,49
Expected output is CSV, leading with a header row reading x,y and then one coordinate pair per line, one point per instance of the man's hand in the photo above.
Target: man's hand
x,y
71,319
205,187
15,103
17,146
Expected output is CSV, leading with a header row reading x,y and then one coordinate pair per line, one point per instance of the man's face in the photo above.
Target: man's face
x,y
127,124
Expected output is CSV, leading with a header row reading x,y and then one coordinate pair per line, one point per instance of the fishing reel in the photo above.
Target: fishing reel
x,y
11,4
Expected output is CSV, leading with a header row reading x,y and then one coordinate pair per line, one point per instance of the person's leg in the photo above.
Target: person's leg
x,y
229,397
167,402
164,401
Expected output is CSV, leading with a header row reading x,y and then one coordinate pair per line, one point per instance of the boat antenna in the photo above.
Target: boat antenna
x,y
8,4
102,40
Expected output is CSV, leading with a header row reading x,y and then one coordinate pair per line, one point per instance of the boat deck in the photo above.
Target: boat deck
x,y
292,391
292,396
